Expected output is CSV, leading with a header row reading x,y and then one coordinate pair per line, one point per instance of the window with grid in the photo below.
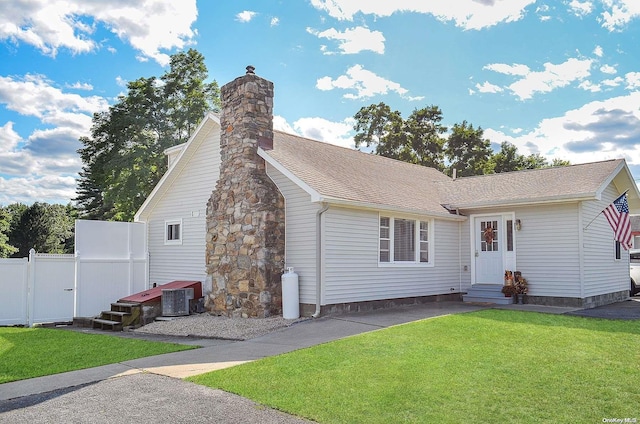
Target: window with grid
x,y
403,240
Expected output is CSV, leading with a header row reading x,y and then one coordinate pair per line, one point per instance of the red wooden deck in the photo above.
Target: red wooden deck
x,y
155,294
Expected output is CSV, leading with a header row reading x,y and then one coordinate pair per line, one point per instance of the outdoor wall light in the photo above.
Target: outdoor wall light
x,y
518,225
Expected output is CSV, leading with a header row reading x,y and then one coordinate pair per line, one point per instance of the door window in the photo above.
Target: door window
x,y
489,236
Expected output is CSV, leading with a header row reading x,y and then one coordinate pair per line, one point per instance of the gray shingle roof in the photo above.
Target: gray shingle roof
x,y
530,186
345,174
350,176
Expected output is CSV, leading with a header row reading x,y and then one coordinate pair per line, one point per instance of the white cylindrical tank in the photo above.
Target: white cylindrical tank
x,y
290,295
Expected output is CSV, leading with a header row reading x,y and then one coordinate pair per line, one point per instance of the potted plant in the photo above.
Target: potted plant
x,y
509,290
521,287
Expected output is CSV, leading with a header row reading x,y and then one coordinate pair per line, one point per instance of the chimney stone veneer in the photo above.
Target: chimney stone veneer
x,y
245,214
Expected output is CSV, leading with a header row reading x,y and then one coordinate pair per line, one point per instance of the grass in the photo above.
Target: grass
x,y
34,352
487,366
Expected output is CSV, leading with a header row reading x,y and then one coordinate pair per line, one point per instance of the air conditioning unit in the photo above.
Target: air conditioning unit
x,y
175,302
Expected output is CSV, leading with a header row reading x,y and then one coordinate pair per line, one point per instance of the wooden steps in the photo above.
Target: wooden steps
x,y
120,316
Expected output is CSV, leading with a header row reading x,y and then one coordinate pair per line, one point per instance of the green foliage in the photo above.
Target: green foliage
x,y
124,156
419,139
34,352
481,367
41,226
467,152
5,224
415,140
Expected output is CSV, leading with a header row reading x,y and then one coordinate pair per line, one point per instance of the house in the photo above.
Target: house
x,y
240,202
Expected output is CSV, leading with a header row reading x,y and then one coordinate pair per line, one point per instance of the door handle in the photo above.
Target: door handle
x,y
67,289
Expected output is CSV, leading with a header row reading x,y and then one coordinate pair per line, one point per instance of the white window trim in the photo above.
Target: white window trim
x,y
166,232
416,263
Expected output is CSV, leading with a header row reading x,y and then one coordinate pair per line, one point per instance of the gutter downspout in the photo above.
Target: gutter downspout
x,y
325,207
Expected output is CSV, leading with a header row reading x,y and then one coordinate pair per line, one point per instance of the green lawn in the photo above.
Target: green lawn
x,y
483,367
34,352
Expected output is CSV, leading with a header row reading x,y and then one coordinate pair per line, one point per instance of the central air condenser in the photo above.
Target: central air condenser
x,y
175,302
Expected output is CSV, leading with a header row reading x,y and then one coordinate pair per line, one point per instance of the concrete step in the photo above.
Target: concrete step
x,y
487,293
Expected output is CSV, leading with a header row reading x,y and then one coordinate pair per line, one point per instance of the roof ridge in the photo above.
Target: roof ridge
x,y
371,155
547,168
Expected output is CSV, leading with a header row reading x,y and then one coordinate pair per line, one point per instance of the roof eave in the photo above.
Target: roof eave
x,y
389,208
526,202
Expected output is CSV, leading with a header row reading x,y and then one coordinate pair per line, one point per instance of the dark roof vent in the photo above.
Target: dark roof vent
x,y
251,69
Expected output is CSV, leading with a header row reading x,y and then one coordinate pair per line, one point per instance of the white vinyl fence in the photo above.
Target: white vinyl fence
x,y
110,263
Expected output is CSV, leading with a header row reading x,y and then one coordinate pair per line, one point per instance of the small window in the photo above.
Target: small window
x,y
617,249
173,232
509,235
404,241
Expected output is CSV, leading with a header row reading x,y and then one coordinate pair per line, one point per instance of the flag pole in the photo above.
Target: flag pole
x,y
594,218
590,222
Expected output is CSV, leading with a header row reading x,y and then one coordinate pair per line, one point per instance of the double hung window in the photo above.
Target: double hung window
x,y
404,241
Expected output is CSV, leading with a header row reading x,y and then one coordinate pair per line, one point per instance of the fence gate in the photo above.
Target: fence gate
x,y
110,263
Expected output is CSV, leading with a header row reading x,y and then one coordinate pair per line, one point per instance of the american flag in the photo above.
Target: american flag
x,y
617,213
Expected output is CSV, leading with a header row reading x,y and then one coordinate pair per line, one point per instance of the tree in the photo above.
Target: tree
x,y
6,249
43,227
415,140
467,152
507,159
123,157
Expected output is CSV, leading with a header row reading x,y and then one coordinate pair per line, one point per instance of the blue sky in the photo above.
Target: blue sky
x,y
559,78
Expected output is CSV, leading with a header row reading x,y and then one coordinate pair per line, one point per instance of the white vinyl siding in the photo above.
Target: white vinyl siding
x,y
300,234
184,202
548,249
352,274
603,273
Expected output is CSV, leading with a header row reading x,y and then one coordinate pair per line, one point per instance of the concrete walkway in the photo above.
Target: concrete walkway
x,y
151,388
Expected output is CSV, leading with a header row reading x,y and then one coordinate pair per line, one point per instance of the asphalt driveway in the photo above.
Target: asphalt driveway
x,y
629,309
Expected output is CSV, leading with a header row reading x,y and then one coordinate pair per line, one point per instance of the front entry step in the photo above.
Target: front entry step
x,y
486,293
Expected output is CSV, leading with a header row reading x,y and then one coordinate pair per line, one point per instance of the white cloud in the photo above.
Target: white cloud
x,y
281,124
44,165
603,129
80,86
615,82
553,76
48,188
468,14
633,80
338,133
598,51
503,68
589,86
353,40
150,26
34,95
245,16
487,87
619,13
608,69
581,8
275,21
365,83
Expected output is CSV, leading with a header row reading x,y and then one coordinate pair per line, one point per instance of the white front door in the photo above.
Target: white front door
x,y
488,250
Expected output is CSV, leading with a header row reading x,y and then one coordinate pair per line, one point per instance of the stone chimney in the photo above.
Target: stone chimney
x,y
245,214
